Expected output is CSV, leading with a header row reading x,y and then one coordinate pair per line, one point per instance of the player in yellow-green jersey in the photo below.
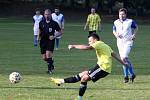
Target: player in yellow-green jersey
x,y
93,22
100,70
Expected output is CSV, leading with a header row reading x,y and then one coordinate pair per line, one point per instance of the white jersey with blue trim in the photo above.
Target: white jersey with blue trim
x,y
37,19
58,18
124,28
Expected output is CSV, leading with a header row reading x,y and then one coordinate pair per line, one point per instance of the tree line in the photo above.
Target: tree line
x,y
138,7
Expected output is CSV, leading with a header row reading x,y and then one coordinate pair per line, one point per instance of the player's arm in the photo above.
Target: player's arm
x,y
99,23
39,35
134,27
33,21
117,35
62,24
86,26
116,56
58,31
114,31
87,23
81,47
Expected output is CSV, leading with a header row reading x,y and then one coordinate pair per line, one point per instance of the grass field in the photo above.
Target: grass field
x,y
17,53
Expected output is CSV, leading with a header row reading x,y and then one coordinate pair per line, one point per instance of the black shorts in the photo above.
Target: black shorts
x,y
91,32
96,73
47,45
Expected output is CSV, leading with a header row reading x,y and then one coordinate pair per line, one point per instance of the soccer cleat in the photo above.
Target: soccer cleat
x,y
132,78
126,80
56,81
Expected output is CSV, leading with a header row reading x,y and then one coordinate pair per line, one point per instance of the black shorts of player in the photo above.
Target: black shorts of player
x,y
91,32
96,73
47,45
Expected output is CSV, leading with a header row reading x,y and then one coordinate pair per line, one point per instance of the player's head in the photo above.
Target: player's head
x,y
37,12
47,14
92,38
56,11
93,10
122,13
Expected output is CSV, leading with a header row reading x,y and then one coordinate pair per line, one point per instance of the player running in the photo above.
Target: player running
x,y
47,28
93,22
125,30
36,20
59,18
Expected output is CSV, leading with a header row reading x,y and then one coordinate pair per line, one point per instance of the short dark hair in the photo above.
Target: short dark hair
x,y
123,9
47,10
57,7
37,9
93,8
95,36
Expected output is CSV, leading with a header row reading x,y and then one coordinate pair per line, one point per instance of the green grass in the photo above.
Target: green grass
x,y
19,54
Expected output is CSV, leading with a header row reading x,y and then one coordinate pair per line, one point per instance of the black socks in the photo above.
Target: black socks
x,y
73,79
82,89
50,64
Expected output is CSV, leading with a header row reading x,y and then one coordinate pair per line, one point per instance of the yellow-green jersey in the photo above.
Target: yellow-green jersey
x,y
103,52
93,21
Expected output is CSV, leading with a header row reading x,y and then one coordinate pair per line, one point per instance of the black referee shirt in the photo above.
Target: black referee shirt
x,y
48,29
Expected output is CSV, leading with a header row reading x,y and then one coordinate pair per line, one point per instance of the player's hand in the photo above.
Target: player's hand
x,y
70,47
62,30
133,37
120,36
38,39
51,37
126,64
57,33
117,35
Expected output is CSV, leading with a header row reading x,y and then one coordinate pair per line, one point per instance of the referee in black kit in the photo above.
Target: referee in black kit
x,y
47,28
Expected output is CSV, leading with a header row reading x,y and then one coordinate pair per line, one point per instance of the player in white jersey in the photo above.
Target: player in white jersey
x,y
36,19
59,18
125,30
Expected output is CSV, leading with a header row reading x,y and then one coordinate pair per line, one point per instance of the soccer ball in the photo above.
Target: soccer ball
x,y
14,77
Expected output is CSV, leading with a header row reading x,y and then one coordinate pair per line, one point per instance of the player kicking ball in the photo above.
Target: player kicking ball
x,y
100,70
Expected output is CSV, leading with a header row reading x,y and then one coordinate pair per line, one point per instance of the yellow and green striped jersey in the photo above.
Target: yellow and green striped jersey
x,y
93,21
103,52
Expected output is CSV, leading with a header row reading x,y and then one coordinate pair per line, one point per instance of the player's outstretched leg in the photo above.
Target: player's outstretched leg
x,y
72,79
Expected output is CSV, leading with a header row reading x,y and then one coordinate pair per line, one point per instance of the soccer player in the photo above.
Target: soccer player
x,y
47,28
100,70
59,18
125,30
93,22
36,19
